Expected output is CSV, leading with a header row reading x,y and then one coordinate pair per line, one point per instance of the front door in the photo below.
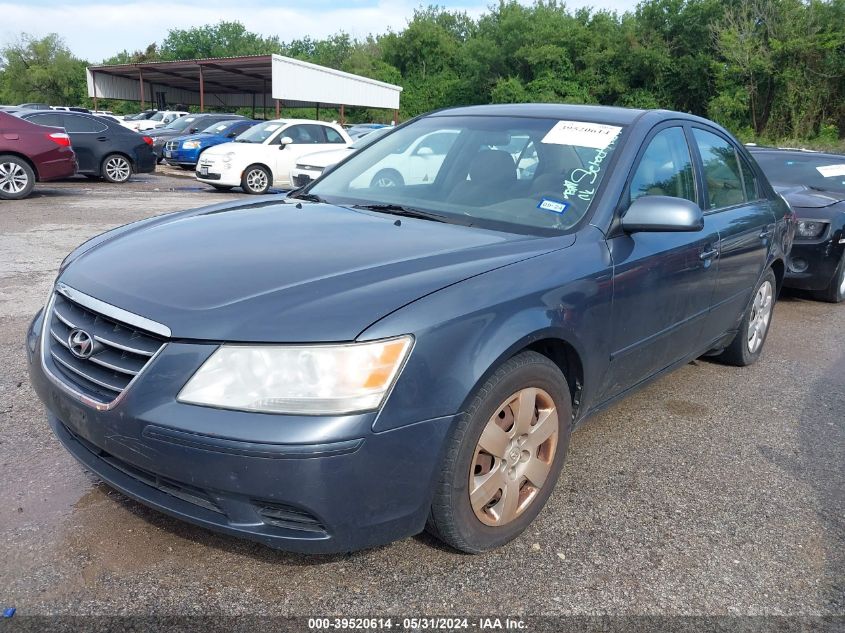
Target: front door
x,y
662,282
745,222
307,138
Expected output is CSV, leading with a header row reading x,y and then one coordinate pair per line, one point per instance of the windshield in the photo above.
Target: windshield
x,y
180,124
370,137
220,127
158,116
259,133
819,172
510,173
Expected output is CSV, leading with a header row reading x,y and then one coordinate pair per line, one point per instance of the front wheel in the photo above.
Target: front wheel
x,y
17,179
116,168
256,179
747,345
387,178
835,292
504,457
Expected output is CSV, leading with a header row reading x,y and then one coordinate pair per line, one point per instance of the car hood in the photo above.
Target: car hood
x,y
326,158
278,271
806,198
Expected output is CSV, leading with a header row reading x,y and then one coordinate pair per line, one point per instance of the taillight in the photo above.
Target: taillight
x,y
148,140
60,138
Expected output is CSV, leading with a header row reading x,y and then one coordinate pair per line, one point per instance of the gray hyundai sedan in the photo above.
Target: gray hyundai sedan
x,y
357,362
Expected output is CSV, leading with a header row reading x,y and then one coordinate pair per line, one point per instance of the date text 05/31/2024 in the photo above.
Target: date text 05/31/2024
x,y
418,624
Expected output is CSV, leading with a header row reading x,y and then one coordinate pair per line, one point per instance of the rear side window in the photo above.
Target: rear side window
x,y
665,168
332,136
305,134
46,119
82,124
721,170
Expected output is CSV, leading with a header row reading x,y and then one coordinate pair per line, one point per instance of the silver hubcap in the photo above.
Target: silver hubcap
x,y
13,178
385,181
256,180
761,314
118,169
513,457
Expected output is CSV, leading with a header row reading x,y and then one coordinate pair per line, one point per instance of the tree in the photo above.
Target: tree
x,y
41,70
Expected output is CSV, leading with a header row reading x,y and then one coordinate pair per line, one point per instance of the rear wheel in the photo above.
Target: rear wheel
x,y
504,457
116,168
835,292
256,179
387,178
17,178
748,343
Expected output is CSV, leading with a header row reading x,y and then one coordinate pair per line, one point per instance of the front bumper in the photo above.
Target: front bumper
x,y
315,484
187,157
811,265
217,173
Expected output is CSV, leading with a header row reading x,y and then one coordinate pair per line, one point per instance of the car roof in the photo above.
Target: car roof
x,y
589,113
794,151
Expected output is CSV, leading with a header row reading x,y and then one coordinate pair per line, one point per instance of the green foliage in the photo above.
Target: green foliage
x,y
765,69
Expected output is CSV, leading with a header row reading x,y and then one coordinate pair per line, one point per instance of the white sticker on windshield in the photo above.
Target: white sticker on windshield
x,y
580,134
830,171
271,128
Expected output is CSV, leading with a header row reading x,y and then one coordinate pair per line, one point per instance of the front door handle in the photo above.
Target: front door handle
x,y
713,252
102,138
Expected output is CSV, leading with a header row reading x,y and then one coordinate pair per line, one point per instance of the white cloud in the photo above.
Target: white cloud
x,y
96,30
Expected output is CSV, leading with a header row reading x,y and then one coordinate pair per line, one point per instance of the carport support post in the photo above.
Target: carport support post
x,y
278,108
141,87
396,117
318,112
253,105
94,84
202,91
342,115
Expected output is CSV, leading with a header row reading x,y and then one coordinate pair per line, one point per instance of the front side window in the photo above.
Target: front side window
x,y
665,168
721,170
332,136
522,174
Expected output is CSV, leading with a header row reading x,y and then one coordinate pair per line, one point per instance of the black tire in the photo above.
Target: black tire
x,y
739,352
387,178
116,168
835,292
452,518
256,179
223,187
17,178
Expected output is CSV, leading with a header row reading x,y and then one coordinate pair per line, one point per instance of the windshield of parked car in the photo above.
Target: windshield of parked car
x,y
817,172
512,173
182,123
158,116
370,137
220,127
259,133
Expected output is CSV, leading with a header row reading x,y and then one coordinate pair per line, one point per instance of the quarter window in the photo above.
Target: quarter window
x,y
46,119
721,170
332,136
665,168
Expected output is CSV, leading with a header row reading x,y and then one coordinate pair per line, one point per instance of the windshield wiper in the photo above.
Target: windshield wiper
x,y
406,212
309,197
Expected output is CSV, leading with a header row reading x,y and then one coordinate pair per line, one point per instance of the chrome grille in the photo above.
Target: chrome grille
x,y
171,145
120,351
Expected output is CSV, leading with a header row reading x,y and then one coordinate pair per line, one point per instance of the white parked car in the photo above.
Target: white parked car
x,y
159,119
311,166
264,155
416,163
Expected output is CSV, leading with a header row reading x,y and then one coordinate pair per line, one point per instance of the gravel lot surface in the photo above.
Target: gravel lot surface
x,y
716,490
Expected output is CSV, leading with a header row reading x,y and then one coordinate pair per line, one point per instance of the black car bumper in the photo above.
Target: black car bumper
x,y
307,484
811,266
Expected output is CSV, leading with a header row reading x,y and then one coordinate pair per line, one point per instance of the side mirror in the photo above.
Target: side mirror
x,y
662,214
286,140
425,151
194,130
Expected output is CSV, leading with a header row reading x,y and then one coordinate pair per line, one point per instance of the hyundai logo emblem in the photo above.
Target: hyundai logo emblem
x,y
80,343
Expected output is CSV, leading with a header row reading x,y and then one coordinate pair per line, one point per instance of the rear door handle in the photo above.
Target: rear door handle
x,y
709,254
102,138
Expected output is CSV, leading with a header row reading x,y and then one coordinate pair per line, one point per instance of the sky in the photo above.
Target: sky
x,y
97,29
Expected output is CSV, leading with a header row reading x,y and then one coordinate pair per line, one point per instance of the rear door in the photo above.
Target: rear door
x,y
735,206
90,139
662,282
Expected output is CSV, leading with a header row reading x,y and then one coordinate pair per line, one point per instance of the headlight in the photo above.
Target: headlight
x,y
227,158
299,379
190,145
810,229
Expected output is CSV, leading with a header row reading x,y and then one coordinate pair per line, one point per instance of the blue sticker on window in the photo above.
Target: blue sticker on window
x,y
555,206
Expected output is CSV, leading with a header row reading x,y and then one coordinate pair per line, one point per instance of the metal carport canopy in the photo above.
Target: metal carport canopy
x,y
235,82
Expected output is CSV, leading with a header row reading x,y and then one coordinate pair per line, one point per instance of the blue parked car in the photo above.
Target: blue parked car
x,y
355,363
185,150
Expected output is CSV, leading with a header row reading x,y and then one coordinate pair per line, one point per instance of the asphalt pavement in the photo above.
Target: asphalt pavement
x,y
714,491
